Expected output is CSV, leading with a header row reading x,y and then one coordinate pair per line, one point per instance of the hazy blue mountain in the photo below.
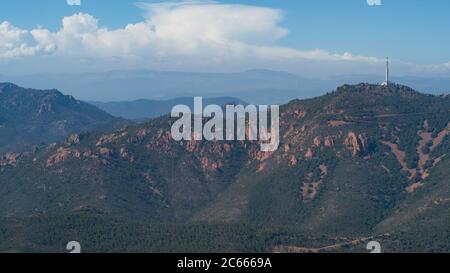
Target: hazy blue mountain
x,y
253,86
146,109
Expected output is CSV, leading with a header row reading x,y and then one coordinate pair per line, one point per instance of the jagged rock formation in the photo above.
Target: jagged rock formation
x,y
357,143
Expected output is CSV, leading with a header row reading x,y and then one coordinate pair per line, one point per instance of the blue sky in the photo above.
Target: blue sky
x,y
413,32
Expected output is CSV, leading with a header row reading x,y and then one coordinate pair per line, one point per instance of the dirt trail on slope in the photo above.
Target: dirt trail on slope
x,y
401,158
426,138
330,248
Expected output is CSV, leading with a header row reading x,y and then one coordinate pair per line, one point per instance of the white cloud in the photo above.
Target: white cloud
x,y
15,42
374,2
204,31
74,2
196,23
434,69
204,36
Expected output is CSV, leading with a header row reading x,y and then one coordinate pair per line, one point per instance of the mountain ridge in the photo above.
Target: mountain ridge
x,y
361,161
146,109
256,86
29,117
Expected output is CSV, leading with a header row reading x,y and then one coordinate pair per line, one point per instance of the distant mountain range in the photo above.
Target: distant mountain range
x,y
30,117
253,86
146,109
364,162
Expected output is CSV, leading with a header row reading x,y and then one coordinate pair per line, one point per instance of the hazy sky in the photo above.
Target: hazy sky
x,y
309,37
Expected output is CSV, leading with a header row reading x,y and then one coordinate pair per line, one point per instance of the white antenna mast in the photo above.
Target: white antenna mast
x,y
387,70
387,81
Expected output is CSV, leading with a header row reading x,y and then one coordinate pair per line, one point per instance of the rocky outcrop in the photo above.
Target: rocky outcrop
x,y
73,139
61,155
161,141
309,153
45,108
293,161
105,139
317,141
10,159
358,144
142,133
88,153
123,152
262,156
299,114
105,152
329,141
207,165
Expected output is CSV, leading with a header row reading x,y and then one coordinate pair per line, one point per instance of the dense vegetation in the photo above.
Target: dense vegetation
x,y
105,234
364,161
29,118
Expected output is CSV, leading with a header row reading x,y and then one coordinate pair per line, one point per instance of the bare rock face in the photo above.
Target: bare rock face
x,y
363,143
61,155
88,153
262,156
105,139
45,108
329,141
317,141
293,161
123,152
309,154
162,141
227,147
105,152
207,165
357,143
73,139
10,159
143,133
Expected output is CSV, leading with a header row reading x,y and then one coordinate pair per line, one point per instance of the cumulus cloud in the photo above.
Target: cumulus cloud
x,y
374,2
198,23
183,35
190,29
74,2
15,42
